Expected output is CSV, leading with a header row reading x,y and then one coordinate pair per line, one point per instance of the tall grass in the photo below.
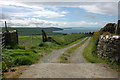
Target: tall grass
x,y
89,51
16,57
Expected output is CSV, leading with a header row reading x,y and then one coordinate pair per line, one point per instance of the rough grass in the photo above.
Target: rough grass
x,y
18,57
89,52
31,49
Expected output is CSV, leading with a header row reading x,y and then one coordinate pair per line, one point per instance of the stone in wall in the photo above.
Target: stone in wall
x,y
109,47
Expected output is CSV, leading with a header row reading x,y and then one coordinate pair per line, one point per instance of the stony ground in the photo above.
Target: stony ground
x,y
57,70
49,67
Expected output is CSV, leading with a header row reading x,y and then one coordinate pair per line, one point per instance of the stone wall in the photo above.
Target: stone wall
x,y
109,47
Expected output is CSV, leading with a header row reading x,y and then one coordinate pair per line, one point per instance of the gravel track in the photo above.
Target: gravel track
x,y
49,67
77,56
58,70
54,56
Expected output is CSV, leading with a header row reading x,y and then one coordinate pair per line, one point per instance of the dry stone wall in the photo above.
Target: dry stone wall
x,y
109,47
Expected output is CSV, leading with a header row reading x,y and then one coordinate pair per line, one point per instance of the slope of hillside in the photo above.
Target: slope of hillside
x,y
33,31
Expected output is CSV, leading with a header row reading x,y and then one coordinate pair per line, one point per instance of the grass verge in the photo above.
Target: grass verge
x,y
89,54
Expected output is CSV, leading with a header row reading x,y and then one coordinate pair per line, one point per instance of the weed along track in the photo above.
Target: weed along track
x,y
50,66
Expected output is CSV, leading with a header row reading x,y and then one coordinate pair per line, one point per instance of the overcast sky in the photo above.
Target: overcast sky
x,y
58,14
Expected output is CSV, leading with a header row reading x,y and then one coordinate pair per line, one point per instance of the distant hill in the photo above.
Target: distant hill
x,y
33,31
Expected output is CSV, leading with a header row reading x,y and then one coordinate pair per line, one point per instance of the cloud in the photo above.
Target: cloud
x,y
26,10
51,10
108,8
11,3
4,16
24,14
91,16
101,8
33,22
44,14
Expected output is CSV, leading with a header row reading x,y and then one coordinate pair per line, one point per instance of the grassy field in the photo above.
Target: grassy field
x,y
61,40
30,41
31,49
64,40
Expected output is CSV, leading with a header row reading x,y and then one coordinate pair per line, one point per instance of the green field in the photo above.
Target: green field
x,y
29,41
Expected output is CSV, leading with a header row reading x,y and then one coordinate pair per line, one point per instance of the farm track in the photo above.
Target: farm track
x,y
54,56
49,67
77,56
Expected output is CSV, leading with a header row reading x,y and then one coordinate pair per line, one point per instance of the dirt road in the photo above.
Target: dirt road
x,y
77,56
49,67
57,70
53,57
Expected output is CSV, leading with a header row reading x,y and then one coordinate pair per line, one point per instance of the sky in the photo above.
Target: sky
x,y
57,14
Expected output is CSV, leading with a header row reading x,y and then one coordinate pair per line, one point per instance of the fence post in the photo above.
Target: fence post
x,y
44,36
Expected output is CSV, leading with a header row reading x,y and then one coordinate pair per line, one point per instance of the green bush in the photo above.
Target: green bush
x,y
4,67
7,62
48,45
20,47
16,57
13,70
15,47
9,47
33,47
41,44
14,54
34,51
23,60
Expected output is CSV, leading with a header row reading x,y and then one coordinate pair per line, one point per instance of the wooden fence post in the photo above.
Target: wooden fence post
x,y
44,36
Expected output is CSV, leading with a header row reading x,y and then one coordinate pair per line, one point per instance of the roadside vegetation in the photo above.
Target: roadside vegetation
x,y
64,58
31,49
89,51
